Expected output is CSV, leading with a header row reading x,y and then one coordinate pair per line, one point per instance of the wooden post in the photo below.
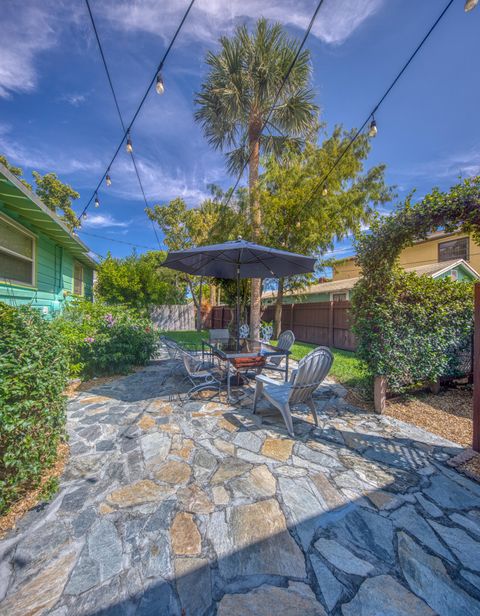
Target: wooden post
x,y
380,393
330,324
476,372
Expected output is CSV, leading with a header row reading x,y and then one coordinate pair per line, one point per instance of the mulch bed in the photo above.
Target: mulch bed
x,y
448,414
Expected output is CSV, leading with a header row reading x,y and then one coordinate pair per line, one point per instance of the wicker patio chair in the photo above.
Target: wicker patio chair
x,y
311,371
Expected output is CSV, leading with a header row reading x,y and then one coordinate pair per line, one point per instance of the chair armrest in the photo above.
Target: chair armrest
x,y
266,379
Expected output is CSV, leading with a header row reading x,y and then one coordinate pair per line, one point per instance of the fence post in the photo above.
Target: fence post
x,y
379,393
476,372
330,324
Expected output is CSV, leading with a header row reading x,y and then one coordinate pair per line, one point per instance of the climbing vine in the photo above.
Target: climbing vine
x,y
410,328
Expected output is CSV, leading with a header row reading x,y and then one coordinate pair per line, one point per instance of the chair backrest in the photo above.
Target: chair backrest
x,y
285,342
244,330
218,334
311,371
171,346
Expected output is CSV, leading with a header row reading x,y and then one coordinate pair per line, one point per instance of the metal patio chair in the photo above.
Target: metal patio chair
x,y
202,375
311,371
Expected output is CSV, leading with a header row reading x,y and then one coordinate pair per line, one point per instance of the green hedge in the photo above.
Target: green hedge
x,y
412,328
33,376
415,331
103,339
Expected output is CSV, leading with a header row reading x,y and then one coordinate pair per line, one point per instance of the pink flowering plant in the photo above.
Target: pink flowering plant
x,y
104,339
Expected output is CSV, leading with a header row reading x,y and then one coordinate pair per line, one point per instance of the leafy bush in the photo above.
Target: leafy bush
x,y
33,375
415,333
104,340
414,328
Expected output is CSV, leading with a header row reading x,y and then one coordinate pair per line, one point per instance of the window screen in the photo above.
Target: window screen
x,y
17,252
77,279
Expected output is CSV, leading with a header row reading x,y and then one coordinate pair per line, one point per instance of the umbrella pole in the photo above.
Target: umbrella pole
x,y
238,306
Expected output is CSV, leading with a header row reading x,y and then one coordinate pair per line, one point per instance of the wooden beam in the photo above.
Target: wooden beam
x,y
380,394
476,372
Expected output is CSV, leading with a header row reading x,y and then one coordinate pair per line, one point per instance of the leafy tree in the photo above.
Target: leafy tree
x,y
235,101
57,196
300,216
138,281
54,193
210,223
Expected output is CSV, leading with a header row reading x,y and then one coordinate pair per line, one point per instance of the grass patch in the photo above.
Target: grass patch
x,y
347,368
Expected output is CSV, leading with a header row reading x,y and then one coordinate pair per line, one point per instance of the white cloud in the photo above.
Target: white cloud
x,y
159,184
27,30
103,220
74,99
336,20
40,160
465,164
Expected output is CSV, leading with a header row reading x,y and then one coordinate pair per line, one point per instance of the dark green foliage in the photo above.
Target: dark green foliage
x,y
410,328
103,339
139,281
33,375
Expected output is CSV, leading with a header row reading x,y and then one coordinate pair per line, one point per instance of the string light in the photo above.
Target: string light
x,y
129,146
97,202
160,86
373,130
84,215
108,180
470,5
325,190
144,97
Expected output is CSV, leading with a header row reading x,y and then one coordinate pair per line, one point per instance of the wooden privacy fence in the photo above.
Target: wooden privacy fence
x,y
322,323
175,317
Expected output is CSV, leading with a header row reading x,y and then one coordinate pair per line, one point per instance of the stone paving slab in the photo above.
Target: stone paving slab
x,y
206,509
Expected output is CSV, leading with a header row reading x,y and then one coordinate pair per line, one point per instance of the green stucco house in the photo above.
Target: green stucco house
x,y
42,263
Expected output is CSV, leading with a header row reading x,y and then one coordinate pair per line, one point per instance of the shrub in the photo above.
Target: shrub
x,y
33,375
417,330
414,328
104,340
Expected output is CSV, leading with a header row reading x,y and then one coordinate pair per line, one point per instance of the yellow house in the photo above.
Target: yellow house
x,y
453,255
439,248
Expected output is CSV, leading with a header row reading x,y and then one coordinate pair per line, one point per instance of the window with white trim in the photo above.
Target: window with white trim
x,y
17,253
77,278
339,297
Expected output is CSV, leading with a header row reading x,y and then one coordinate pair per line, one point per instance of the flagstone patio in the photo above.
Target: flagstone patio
x,y
208,509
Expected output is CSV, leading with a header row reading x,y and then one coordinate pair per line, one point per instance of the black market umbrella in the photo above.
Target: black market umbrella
x,y
239,259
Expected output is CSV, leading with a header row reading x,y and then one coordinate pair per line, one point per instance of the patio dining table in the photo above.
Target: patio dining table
x,y
233,349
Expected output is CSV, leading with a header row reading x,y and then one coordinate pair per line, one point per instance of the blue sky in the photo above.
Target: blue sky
x,y
57,113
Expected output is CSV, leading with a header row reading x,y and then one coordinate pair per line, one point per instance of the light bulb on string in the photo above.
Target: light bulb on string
x,y
325,190
84,215
373,130
160,86
129,146
97,202
470,5
108,180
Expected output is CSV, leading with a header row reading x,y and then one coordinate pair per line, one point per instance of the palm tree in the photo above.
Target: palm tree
x,y
244,115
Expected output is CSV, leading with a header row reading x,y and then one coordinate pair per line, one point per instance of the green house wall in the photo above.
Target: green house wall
x,y
54,274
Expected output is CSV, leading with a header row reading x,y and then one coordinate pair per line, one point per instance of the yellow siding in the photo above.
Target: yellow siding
x,y
346,269
419,254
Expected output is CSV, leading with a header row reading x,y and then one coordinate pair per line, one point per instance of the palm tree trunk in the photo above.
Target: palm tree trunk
x,y
278,310
256,217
